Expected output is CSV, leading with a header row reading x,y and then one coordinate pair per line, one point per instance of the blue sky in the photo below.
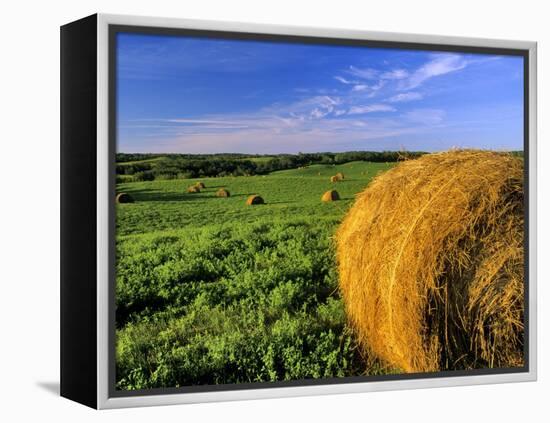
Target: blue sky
x,y
201,95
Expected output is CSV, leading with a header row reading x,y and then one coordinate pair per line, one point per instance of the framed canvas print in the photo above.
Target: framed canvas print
x,y
253,211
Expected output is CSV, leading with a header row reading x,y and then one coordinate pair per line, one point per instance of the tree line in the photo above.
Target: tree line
x,y
175,166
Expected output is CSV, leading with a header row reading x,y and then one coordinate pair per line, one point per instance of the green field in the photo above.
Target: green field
x,y
210,291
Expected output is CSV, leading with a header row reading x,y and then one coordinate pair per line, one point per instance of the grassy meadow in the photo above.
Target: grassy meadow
x,y
212,291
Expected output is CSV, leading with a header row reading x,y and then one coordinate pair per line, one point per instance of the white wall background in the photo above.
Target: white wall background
x,y
29,234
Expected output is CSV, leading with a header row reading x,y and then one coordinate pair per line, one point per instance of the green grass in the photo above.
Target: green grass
x,y
163,205
210,290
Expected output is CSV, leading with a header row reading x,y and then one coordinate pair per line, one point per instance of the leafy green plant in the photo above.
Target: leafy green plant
x,y
211,291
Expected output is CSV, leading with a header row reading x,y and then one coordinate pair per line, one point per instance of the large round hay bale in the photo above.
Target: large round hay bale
x,y
200,185
335,178
122,198
331,195
254,199
193,189
431,263
223,193
340,175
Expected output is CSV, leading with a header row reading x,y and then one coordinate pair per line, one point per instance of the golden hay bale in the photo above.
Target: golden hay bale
x,y
223,193
335,178
200,185
254,199
331,195
340,175
193,189
122,198
431,263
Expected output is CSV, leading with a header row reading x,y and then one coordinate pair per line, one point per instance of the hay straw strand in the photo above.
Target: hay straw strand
x,y
431,262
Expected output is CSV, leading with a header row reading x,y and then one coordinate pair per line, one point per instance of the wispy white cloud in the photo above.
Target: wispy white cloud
x,y
315,107
405,97
371,108
203,121
345,81
438,65
360,87
378,86
272,135
441,64
374,74
395,74
318,113
314,124
366,73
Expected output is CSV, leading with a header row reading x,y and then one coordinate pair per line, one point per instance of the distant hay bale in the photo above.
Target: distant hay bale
x,y
254,199
335,178
431,263
223,193
193,189
331,195
200,185
340,175
122,198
